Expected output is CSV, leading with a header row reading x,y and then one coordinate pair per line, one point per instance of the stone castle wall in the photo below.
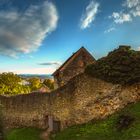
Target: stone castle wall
x,y
25,110
84,98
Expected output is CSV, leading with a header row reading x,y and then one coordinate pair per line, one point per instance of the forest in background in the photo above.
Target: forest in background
x,y
13,84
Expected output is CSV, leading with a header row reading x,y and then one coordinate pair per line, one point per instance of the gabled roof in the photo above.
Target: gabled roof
x,y
70,59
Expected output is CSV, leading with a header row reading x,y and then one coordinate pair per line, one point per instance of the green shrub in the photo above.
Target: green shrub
x,y
121,66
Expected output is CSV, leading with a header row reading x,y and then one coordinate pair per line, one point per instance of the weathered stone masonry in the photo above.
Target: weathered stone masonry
x,y
73,66
84,98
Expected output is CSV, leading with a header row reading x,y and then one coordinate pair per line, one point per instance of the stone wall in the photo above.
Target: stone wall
x,y
89,98
25,110
84,98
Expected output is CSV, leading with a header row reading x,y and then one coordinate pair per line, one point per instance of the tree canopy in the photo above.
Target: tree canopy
x,y
35,83
10,84
121,66
49,83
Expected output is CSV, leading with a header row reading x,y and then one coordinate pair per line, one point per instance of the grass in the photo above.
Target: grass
x,y
105,129
23,134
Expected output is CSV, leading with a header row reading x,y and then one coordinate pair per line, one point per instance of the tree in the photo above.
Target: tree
x,y
49,83
35,83
121,66
9,79
10,84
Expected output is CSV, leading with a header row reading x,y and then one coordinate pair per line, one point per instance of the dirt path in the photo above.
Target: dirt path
x,y
45,135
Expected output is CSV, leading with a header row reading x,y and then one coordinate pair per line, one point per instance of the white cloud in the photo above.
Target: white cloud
x,y
131,9
50,63
131,3
23,32
136,11
133,6
89,16
121,17
110,30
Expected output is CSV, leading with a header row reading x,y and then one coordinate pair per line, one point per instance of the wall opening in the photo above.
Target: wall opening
x,y
54,126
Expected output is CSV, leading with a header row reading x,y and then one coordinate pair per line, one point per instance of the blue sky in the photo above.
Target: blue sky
x,y
37,36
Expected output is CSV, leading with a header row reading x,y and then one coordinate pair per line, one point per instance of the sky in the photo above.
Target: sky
x,y
37,36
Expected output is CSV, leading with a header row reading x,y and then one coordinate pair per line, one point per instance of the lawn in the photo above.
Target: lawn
x,y
23,134
114,127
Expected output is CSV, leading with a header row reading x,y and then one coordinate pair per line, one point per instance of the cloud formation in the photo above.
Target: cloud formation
x,y
110,30
131,3
89,16
50,63
23,32
121,17
131,9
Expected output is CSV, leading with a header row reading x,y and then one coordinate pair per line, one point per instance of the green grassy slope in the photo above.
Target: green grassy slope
x,y
23,134
124,125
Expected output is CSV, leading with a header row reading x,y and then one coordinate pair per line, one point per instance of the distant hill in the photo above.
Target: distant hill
x,y
41,76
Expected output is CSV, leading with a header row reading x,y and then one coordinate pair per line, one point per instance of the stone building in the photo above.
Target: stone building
x,y
73,66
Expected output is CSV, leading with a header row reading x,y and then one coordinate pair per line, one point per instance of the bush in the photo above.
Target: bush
x,y
124,121
121,66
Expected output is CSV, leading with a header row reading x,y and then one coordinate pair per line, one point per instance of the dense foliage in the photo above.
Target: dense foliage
x,y
35,83
12,84
120,66
49,83
124,125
